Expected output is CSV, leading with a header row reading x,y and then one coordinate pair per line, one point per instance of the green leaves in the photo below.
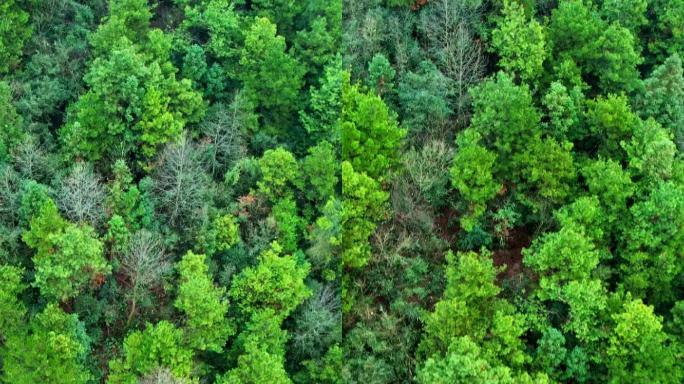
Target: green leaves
x,y
271,78
159,345
370,135
14,31
471,174
67,257
206,325
519,42
51,349
637,351
276,282
363,206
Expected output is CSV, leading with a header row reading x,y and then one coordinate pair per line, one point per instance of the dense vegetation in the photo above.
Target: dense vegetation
x,y
527,225
169,194
378,191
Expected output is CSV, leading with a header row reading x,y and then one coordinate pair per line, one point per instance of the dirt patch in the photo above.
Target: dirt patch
x,y
446,225
511,255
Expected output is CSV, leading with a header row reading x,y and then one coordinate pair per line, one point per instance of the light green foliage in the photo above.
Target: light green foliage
x,y
321,118
318,44
505,116
653,242
288,222
126,200
204,305
276,282
134,100
271,78
326,238
669,29
548,171
615,60
370,135
464,364
587,300
257,366
519,42
14,32
381,75
11,133
562,111
469,307
611,184
606,51
321,168
33,196
663,97
572,29
51,349
363,206
637,352
67,257
651,152
587,214
561,257
630,14
612,121
471,174
131,102
423,96
12,311
280,173
159,345
227,232
262,347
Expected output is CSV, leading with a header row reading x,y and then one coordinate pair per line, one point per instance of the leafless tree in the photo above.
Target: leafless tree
x,y
447,26
181,186
223,129
81,195
30,159
144,264
161,376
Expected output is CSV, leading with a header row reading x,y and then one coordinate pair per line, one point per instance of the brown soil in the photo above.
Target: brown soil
x,y
511,255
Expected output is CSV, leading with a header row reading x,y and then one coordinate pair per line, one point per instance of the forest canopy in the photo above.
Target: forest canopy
x,y
329,191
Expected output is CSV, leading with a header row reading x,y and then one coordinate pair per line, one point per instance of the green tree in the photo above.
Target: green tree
x,y
611,184
653,243
363,206
667,29
159,345
561,257
470,307
12,311
276,282
11,133
51,349
503,113
548,170
288,222
612,121
423,96
67,257
271,77
630,14
204,305
651,153
370,134
464,363
519,42
321,117
14,31
637,350
663,98
321,169
563,111
280,174
471,174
